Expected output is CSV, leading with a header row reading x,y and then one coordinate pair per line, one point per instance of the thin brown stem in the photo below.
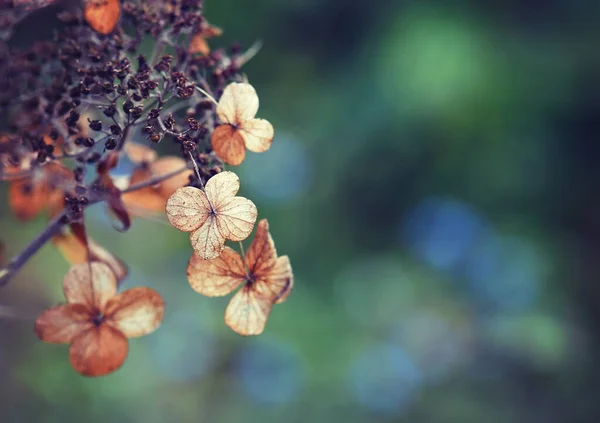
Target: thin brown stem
x,y
56,224
38,242
155,180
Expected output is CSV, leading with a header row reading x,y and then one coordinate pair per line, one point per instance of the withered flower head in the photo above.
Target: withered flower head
x,y
96,321
265,278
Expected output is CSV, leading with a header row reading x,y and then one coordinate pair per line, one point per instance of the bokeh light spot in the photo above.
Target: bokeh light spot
x,y
385,379
270,372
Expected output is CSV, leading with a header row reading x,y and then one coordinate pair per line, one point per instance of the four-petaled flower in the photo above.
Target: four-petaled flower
x,y
240,129
266,278
212,215
96,321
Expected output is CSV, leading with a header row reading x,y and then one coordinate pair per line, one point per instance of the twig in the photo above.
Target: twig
x,y
38,242
56,224
155,180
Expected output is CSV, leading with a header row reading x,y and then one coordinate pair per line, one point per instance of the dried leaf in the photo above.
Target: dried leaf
x,y
237,110
102,15
212,215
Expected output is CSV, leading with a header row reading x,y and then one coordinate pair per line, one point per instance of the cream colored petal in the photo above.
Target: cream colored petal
x,y
60,325
92,284
257,134
187,209
207,240
135,312
216,277
236,219
98,351
247,312
75,251
221,188
280,279
238,103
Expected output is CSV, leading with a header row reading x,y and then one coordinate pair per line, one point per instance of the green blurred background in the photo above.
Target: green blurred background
x,y
434,180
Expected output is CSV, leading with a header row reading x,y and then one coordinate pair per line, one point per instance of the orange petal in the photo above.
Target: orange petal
x,y
207,241
139,153
60,325
248,311
199,45
92,284
26,198
238,104
168,165
98,351
228,144
258,135
135,312
236,219
154,198
74,251
188,209
216,277
102,15
261,255
145,199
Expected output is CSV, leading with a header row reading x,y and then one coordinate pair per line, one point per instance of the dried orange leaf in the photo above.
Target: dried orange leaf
x,y
216,277
212,215
237,109
135,312
92,284
248,311
60,325
98,351
102,15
